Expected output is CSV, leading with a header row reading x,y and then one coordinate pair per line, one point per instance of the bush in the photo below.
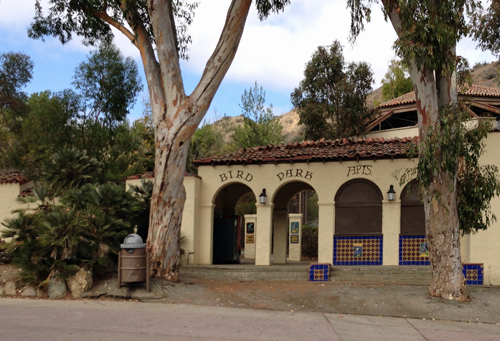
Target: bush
x,y
309,241
83,228
4,256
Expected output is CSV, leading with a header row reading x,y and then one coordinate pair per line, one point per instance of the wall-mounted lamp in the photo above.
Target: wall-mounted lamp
x,y
263,197
391,195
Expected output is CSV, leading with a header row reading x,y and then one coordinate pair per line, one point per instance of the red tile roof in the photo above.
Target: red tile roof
x,y
317,151
27,193
12,177
473,90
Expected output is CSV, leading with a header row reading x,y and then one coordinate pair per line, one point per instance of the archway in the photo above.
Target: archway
x,y
412,240
291,198
228,223
358,224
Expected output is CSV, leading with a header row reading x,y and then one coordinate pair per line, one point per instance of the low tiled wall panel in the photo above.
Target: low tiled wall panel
x,y
357,250
413,250
473,273
319,272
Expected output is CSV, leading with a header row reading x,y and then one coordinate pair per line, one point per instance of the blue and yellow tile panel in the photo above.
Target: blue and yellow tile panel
x,y
413,250
473,273
357,250
319,272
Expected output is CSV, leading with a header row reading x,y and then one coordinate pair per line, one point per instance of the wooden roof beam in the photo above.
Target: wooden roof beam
x,y
485,107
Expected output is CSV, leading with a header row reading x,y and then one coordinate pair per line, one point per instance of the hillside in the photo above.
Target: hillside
x,y
482,74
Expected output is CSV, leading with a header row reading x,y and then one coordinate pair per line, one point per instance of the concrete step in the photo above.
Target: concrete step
x,y
300,272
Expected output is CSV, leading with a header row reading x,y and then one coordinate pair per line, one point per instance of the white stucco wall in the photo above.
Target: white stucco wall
x,y
325,178
8,202
485,245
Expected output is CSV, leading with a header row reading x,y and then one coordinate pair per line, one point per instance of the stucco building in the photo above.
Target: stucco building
x,y
359,222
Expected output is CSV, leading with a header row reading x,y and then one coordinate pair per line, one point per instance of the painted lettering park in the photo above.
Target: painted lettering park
x,y
295,173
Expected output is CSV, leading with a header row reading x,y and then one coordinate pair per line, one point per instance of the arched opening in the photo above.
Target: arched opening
x,y
412,211
358,224
412,240
295,201
231,203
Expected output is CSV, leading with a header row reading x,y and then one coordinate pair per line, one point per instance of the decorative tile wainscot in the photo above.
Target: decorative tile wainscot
x,y
473,273
413,250
319,272
357,250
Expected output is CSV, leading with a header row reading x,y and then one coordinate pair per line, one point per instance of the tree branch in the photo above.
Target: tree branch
x,y
220,61
161,20
104,16
151,67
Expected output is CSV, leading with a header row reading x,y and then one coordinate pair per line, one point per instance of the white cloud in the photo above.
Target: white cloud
x,y
273,52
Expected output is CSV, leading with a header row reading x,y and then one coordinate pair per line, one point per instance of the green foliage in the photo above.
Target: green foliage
x,y
463,143
429,30
396,81
44,129
476,184
312,207
246,205
260,126
69,168
16,70
66,18
310,241
486,28
92,120
108,84
83,229
331,98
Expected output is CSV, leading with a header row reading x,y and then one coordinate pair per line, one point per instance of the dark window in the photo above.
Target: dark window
x,y
358,209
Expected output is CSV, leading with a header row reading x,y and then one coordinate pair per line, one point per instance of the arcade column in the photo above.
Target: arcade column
x,y
391,227
326,230
250,233
280,236
263,242
295,239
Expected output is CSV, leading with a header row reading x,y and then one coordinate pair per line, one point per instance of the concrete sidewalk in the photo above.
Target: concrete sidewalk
x,y
98,320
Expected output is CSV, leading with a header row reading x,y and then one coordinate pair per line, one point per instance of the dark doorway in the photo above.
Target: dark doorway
x,y
227,227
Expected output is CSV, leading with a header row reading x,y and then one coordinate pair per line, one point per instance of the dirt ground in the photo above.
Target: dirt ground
x,y
328,297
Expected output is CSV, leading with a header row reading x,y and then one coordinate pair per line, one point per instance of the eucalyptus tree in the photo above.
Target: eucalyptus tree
x,y
16,71
427,34
158,28
331,99
260,126
396,81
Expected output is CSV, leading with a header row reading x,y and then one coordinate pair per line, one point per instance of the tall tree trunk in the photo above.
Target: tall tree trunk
x,y
176,117
167,203
433,91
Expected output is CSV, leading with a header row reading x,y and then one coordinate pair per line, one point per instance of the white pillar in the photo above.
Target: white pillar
x,y
264,237
326,231
391,227
295,249
280,236
250,233
204,252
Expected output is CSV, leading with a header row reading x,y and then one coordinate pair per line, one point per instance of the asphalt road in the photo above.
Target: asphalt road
x,y
31,319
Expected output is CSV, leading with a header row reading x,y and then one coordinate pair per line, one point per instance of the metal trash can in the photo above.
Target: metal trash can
x,y
133,261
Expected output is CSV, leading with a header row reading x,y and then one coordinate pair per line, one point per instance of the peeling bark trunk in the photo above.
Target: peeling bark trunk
x,y
176,117
441,217
434,89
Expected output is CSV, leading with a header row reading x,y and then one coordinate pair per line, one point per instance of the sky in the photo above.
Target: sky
x,y
272,52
